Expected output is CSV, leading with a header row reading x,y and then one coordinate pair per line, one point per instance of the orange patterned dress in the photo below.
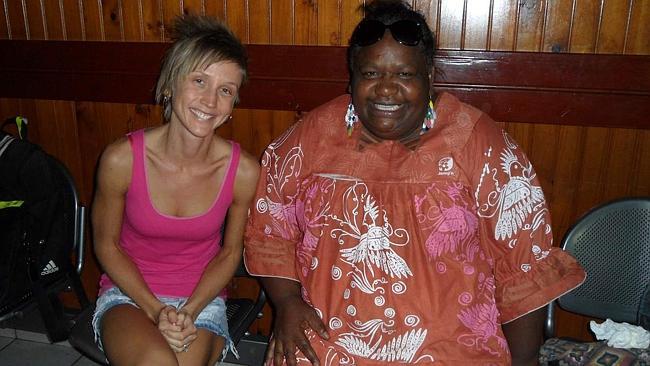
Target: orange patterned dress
x,y
408,256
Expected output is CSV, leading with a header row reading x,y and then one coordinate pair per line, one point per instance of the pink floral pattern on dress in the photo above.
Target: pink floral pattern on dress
x,y
311,208
481,319
454,226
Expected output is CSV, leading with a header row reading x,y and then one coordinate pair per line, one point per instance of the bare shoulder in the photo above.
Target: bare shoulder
x,y
249,168
247,174
116,162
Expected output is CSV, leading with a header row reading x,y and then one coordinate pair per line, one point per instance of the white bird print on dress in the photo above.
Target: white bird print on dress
x,y
375,247
517,198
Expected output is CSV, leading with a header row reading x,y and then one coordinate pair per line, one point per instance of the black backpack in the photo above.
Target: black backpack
x,y
36,228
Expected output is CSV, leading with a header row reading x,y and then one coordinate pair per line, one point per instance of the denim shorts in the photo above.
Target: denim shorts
x,y
212,317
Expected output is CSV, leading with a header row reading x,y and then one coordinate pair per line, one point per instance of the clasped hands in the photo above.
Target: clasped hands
x,y
177,326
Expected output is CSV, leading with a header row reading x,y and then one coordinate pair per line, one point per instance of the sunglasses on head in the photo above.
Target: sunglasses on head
x,y
406,32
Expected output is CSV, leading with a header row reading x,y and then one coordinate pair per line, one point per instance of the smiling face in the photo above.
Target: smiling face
x,y
204,99
390,89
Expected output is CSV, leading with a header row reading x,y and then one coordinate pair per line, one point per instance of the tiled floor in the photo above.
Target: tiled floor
x,y
22,343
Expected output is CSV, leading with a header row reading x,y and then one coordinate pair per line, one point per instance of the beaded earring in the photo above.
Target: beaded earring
x,y
429,118
350,118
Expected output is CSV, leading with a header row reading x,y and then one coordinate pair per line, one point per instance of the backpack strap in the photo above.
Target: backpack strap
x,y
21,125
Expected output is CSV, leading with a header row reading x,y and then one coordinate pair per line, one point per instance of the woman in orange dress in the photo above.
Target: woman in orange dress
x,y
397,225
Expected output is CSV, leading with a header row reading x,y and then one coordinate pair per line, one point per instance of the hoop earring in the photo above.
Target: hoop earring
x,y
429,118
350,118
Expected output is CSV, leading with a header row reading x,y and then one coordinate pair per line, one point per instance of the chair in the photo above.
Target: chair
x,y
44,294
612,243
241,312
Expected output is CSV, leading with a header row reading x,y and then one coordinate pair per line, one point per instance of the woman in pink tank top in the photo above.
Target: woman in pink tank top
x,y
163,195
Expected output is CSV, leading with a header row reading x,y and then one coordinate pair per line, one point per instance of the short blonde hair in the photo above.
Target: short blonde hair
x,y
198,42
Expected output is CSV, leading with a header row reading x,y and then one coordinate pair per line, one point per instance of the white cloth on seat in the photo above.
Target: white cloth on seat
x,y
621,335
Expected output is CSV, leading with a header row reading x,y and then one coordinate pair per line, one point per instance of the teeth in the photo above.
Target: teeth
x,y
200,114
387,107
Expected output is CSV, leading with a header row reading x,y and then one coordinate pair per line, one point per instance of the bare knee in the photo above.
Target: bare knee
x,y
156,356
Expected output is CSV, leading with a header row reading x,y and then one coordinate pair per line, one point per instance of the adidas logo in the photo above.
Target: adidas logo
x,y
50,268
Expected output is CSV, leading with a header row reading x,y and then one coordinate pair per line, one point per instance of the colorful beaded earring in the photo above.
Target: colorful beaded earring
x,y
350,118
429,118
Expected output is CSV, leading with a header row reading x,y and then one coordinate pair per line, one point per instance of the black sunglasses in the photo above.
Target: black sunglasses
x,y
406,32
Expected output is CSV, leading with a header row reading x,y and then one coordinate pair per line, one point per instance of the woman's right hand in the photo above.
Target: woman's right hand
x,y
177,328
293,317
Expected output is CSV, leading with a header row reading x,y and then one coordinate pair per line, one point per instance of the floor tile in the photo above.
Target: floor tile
x,y
26,353
84,361
4,341
8,332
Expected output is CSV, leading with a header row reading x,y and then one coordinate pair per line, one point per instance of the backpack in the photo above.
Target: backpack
x,y
36,224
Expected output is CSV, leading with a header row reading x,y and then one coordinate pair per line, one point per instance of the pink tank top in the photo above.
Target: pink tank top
x,y
170,252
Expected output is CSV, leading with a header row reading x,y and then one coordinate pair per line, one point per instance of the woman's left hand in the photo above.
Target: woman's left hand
x,y
178,328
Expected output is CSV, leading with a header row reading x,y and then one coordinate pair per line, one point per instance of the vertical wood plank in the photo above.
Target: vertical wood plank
x,y
504,15
93,20
558,24
16,19
54,20
329,28
259,21
476,24
193,7
564,175
430,9
4,30
216,8
285,26
351,14
112,20
620,164
638,40
585,26
305,22
36,21
152,20
611,37
530,25
73,20
132,21
237,17
170,10
593,162
451,24
642,186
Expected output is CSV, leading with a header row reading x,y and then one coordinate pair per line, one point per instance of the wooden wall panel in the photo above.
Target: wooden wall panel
x,y
303,18
638,35
613,26
258,13
53,20
451,24
557,26
16,20
503,31
585,166
530,25
72,20
131,17
477,25
4,28
35,20
585,25
237,18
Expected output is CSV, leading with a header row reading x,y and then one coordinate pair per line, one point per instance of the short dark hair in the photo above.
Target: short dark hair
x,y
389,12
198,41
